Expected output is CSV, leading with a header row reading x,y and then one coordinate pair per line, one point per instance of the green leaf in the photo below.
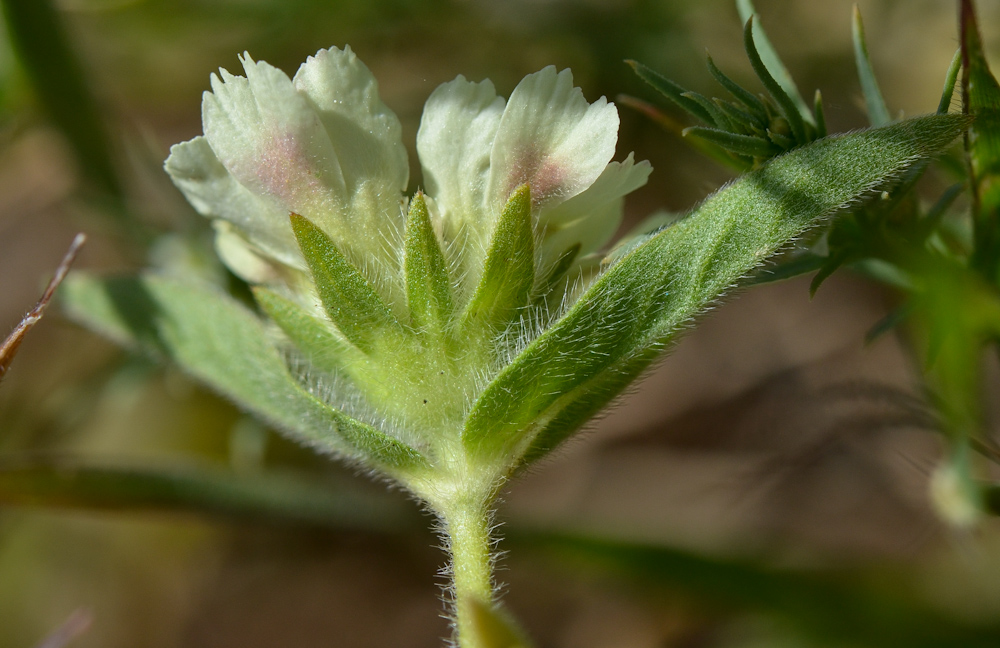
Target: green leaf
x,y
509,269
878,114
739,144
73,483
350,301
820,116
769,58
225,346
640,304
671,91
981,94
312,336
428,289
788,106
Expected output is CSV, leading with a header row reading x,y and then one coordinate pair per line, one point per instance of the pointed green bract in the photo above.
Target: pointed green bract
x,y
878,114
350,301
616,327
222,344
771,61
509,270
312,336
428,289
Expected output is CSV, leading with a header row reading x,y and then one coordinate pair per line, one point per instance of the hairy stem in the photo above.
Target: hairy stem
x,y
467,523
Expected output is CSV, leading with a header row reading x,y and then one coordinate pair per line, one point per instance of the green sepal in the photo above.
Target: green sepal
x,y
509,269
312,336
351,302
225,346
428,288
789,108
878,114
771,61
739,144
619,324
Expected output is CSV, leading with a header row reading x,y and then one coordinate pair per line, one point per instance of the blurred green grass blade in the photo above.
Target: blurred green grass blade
x,y
639,305
949,82
68,483
225,346
788,106
770,59
878,114
44,50
831,611
981,99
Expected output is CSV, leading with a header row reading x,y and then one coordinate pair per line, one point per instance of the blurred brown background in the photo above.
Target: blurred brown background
x,y
772,430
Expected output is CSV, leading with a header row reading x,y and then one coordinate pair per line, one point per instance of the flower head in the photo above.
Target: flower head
x,y
407,300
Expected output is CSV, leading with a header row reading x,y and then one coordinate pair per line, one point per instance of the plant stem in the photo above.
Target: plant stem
x,y
467,523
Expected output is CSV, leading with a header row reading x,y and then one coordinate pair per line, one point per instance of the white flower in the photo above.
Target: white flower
x,y
323,145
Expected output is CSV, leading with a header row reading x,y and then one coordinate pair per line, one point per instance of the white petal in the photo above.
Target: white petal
x,y
365,133
616,180
241,258
273,142
454,142
552,139
213,192
591,232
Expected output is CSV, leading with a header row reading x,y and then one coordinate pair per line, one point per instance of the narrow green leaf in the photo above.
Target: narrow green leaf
x,y
313,337
509,270
222,344
350,301
739,144
617,327
671,91
878,114
783,142
73,483
800,265
719,119
744,96
832,264
45,52
428,289
788,106
981,99
742,121
894,318
949,82
771,61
